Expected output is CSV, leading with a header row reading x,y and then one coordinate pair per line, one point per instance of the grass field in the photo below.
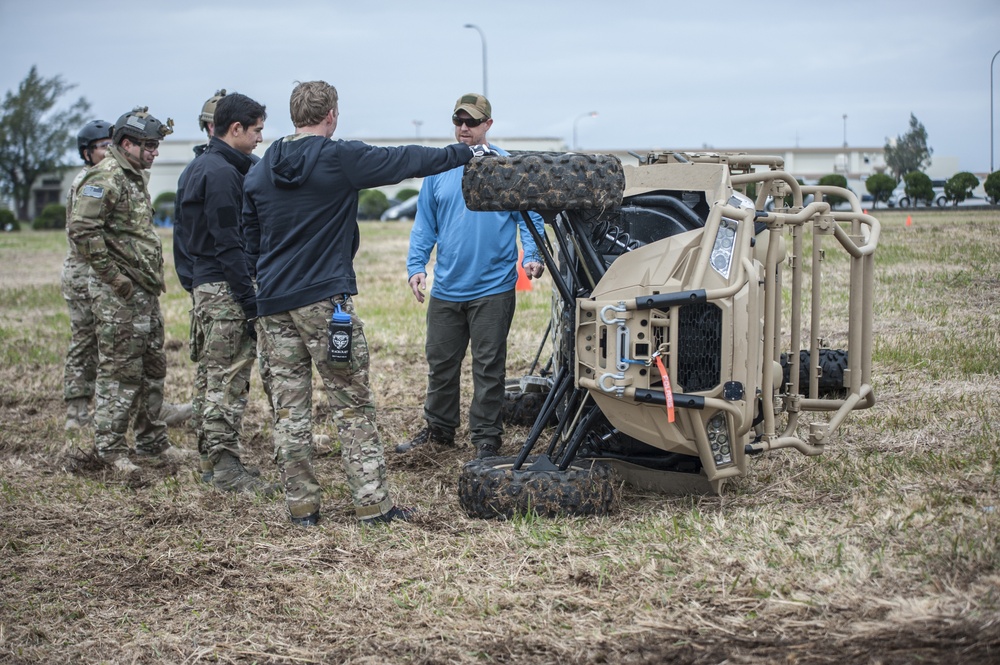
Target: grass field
x,y
882,551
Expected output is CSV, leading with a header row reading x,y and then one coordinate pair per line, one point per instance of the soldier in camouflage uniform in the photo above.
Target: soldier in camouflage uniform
x,y
300,207
112,229
80,370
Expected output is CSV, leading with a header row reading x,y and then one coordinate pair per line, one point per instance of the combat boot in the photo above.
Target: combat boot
x,y
175,414
487,448
207,469
176,454
229,475
77,415
395,513
426,435
121,463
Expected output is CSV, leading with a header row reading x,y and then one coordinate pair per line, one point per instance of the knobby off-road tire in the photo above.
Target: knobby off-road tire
x,y
832,362
521,408
490,489
543,181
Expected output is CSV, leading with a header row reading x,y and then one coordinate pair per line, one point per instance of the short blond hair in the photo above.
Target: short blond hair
x,y
311,101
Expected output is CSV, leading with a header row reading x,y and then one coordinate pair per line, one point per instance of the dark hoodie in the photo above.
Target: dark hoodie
x,y
210,198
300,209
183,263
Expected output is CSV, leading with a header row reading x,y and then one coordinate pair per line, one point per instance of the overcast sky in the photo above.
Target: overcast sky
x,y
659,73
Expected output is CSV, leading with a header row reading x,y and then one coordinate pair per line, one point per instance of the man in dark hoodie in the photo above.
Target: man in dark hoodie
x,y
224,300
300,226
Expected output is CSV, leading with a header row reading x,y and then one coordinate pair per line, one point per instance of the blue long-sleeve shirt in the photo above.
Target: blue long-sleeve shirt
x,y
476,251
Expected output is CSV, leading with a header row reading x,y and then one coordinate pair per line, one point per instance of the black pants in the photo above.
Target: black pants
x,y
451,326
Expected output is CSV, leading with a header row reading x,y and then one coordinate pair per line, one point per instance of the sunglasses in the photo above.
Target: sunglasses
x,y
458,121
103,144
148,145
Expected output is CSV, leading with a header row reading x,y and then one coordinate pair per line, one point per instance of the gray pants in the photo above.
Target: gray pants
x,y
451,328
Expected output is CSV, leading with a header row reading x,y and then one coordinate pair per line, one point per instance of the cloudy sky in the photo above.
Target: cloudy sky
x,y
659,73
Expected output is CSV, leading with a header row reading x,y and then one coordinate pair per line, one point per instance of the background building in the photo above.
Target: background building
x,y
808,164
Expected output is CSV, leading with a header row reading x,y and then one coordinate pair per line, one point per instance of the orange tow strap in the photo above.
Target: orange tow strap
x,y
667,392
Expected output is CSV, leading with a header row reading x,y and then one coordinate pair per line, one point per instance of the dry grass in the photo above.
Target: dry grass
x,y
884,550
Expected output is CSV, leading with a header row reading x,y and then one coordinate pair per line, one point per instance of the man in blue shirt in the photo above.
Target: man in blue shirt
x,y
473,297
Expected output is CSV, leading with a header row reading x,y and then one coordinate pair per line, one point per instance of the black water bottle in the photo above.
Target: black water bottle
x,y
339,334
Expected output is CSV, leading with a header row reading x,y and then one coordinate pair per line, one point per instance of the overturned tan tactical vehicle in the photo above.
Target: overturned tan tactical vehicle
x,y
689,329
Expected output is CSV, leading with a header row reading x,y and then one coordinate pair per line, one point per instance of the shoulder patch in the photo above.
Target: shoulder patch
x,y
93,191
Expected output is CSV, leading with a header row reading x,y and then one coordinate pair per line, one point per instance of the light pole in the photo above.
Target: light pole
x,y
417,123
592,114
991,109
483,38
845,130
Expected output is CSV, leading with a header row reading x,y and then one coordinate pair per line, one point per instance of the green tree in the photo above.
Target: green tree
x,y
880,186
833,180
164,206
908,152
406,193
7,221
371,203
992,187
35,137
919,187
53,216
959,187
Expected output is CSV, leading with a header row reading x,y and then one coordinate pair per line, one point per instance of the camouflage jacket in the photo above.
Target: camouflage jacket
x,y
112,224
76,270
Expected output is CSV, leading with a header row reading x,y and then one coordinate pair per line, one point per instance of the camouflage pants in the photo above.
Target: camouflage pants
x,y
227,356
291,343
196,345
130,371
80,370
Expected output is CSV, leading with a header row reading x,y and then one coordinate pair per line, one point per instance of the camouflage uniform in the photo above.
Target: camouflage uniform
x,y
227,358
111,227
290,344
81,358
196,346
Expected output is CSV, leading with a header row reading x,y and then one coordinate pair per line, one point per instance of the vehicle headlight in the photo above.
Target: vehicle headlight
x,y
722,250
719,439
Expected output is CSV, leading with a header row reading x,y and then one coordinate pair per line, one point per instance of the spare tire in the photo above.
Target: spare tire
x,y
520,407
490,488
832,362
544,181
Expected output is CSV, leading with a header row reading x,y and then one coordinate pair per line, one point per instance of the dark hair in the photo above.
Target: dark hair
x,y
235,107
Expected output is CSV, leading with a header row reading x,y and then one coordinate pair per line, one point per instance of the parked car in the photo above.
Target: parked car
x,y
900,199
405,210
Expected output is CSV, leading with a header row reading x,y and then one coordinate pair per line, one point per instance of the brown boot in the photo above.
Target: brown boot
x,y
175,414
229,475
77,414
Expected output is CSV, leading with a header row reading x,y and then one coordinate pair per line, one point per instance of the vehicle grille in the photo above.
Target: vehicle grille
x,y
699,342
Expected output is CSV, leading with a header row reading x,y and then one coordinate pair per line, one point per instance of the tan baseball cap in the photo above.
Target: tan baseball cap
x,y
475,105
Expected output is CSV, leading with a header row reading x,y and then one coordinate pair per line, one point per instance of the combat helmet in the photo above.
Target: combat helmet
x,y
208,110
139,124
95,130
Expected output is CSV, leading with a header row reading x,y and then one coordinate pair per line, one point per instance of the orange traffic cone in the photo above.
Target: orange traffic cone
x,y
523,283
909,221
